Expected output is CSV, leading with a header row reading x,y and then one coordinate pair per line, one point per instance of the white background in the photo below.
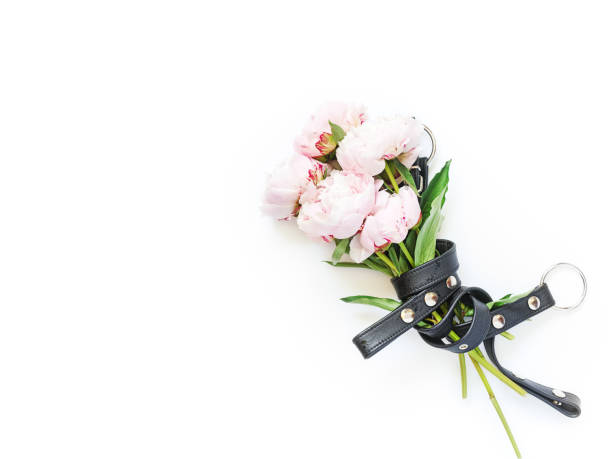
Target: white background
x,y
148,310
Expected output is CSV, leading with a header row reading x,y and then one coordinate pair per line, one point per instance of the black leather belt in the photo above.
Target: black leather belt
x,y
427,287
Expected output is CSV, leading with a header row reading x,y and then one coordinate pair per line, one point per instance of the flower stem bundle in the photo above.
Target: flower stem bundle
x,y
350,183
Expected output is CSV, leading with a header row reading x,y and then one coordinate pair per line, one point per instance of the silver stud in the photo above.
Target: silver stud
x,y
498,321
463,347
451,281
533,302
557,403
407,315
559,393
431,298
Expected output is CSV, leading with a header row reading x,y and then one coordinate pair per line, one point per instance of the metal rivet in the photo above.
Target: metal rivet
x,y
557,403
463,347
533,302
407,315
498,321
451,281
559,393
431,298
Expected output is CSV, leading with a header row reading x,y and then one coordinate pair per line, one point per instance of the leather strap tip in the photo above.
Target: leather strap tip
x,y
361,345
568,405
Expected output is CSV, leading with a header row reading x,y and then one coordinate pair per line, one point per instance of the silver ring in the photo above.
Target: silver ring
x,y
582,276
433,144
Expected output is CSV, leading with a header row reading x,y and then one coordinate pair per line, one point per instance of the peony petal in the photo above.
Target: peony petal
x,y
358,252
276,211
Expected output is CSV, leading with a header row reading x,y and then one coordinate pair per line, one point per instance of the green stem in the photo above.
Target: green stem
x,y
388,262
477,355
391,177
498,374
406,254
507,335
459,313
496,406
463,376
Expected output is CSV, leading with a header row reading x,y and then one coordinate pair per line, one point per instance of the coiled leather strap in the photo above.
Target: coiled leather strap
x,y
413,286
438,279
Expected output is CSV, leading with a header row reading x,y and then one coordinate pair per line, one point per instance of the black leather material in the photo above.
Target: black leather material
x,y
475,331
569,405
481,326
518,311
390,327
420,173
412,286
421,277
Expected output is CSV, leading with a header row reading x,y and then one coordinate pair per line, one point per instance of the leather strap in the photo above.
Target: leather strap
x,y
412,287
472,335
420,278
562,401
390,327
519,311
481,327
434,277
420,173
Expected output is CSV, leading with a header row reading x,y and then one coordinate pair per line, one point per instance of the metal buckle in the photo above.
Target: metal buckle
x,y
420,177
582,276
433,144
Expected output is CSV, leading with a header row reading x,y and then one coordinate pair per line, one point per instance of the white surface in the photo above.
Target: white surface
x,y
148,310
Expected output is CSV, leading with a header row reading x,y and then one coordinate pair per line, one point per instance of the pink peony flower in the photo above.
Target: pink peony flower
x,y
392,217
287,183
337,206
316,140
365,148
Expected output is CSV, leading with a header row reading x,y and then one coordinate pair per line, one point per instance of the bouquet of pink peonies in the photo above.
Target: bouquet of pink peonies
x,y
362,184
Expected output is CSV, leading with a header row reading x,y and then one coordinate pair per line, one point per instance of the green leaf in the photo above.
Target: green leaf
x,y
410,241
393,255
341,245
506,299
437,187
403,262
376,267
509,298
347,264
425,248
405,173
384,303
328,157
337,132
377,261
399,261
